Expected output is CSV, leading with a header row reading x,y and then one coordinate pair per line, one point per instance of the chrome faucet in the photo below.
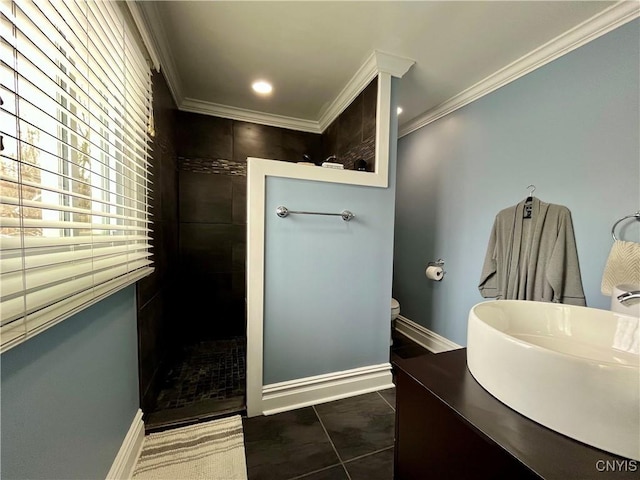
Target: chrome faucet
x,y
628,296
331,158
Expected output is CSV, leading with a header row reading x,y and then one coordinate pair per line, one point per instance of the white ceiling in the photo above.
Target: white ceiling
x,y
211,51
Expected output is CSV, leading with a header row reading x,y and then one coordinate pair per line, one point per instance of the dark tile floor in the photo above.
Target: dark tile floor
x,y
404,347
210,369
204,380
348,439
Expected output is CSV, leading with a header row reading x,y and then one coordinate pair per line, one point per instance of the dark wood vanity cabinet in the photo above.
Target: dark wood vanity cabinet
x,y
449,427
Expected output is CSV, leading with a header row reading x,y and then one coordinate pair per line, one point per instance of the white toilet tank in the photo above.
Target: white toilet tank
x,y
395,309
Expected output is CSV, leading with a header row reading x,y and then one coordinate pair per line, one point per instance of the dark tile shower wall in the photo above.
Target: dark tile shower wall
x,y
155,292
212,159
352,135
199,207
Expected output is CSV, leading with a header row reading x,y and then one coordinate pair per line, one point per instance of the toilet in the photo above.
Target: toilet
x,y
395,311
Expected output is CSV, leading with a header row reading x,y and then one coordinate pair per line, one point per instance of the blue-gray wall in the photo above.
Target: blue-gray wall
x,y
570,128
327,282
70,394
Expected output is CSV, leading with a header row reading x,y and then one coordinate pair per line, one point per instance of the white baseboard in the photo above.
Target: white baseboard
x,y
125,462
284,396
423,336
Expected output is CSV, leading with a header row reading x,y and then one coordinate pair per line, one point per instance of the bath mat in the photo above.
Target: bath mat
x,y
211,450
623,266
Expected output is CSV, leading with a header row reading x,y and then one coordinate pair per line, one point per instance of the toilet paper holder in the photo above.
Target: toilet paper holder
x,y
438,263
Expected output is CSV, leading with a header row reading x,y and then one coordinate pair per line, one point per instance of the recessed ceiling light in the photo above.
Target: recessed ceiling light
x,y
399,110
262,87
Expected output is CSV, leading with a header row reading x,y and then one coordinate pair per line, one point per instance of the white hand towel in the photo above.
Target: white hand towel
x,y
623,266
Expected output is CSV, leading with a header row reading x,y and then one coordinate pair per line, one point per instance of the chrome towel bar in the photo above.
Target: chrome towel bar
x,y
284,211
613,229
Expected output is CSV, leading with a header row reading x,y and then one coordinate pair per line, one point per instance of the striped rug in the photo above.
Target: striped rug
x,y
212,450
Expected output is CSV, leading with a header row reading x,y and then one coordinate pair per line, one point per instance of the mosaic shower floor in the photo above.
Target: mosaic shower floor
x,y
207,380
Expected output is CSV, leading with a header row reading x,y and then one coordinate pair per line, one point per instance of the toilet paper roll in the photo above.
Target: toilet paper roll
x,y
434,273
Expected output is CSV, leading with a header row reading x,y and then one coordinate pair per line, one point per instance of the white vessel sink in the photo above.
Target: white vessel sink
x,y
572,369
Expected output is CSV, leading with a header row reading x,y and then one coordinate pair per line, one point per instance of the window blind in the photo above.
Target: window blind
x,y
74,167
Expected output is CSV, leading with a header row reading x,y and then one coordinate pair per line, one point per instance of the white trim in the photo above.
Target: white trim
x,y
601,23
143,29
127,457
149,15
278,168
256,183
394,65
351,90
424,337
383,130
257,171
225,111
377,62
284,396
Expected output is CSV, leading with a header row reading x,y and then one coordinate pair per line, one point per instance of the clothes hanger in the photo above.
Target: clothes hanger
x,y
528,206
533,189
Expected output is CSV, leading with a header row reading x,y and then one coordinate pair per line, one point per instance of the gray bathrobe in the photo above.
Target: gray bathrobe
x,y
533,259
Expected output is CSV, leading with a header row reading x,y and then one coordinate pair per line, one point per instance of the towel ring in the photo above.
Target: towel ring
x,y
613,229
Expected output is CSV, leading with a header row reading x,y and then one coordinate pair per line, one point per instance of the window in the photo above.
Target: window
x,y
74,165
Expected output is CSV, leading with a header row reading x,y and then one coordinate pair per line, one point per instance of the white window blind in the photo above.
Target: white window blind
x,y
74,179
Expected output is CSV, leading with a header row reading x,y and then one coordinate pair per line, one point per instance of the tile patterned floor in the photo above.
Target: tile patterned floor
x,y
206,380
207,370
348,439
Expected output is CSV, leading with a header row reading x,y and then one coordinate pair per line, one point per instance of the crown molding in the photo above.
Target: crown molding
x,y
208,108
596,26
376,62
147,15
351,90
394,65
144,31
